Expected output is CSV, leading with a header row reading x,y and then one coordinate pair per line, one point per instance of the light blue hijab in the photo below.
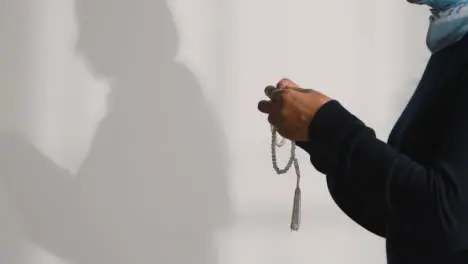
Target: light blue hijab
x,y
448,23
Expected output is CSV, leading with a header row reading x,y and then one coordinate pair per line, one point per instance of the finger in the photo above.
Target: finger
x,y
272,120
286,83
269,90
283,133
273,93
265,107
275,119
277,95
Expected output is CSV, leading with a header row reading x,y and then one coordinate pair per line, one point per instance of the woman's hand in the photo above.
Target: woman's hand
x,y
291,109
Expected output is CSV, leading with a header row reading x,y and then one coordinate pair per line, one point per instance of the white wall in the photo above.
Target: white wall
x,y
136,136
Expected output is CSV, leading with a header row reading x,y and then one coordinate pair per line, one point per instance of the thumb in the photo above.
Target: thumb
x,y
290,85
301,90
286,83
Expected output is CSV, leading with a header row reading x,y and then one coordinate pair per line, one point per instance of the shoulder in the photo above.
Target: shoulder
x,y
447,70
457,52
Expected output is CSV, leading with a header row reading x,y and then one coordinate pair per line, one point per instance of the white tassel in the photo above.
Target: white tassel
x,y
296,213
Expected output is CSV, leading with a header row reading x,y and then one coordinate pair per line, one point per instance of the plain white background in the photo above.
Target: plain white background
x,y
129,129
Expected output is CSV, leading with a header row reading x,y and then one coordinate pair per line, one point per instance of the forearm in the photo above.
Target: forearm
x,y
347,151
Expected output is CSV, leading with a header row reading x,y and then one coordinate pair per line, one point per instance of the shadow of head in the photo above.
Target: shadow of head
x,y
121,36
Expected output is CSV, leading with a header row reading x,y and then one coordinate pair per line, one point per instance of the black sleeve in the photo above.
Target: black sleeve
x,y
432,200
364,204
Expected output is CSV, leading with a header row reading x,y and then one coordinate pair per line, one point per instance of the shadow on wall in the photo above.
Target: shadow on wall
x,y
14,33
153,188
14,41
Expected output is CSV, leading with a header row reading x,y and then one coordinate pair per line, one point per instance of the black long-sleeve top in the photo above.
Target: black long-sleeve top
x,y
412,190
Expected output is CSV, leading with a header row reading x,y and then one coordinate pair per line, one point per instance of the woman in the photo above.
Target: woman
x,y
412,190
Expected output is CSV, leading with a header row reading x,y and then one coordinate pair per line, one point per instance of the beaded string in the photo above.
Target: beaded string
x,y
296,212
